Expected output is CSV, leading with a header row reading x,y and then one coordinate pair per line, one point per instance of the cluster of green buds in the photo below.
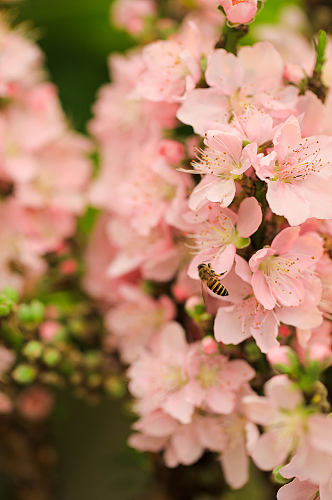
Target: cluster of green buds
x,y
64,351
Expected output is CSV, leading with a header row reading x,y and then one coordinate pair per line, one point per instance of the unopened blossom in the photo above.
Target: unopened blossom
x,y
283,273
239,11
298,174
219,232
35,403
220,163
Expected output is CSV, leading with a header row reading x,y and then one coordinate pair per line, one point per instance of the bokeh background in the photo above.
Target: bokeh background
x,y
93,461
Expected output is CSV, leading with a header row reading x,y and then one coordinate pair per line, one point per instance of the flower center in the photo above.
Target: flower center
x,y
208,375
173,378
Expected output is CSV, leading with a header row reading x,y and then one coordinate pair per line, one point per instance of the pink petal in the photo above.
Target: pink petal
x,y
172,340
285,240
242,269
289,134
235,465
283,393
320,429
271,450
187,446
249,217
284,199
265,334
262,290
177,406
228,327
223,262
297,490
224,72
204,109
228,143
259,409
220,400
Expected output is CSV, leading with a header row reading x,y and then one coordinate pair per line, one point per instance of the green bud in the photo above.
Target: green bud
x,y
92,359
115,386
31,313
94,380
51,356
33,349
10,294
5,308
24,374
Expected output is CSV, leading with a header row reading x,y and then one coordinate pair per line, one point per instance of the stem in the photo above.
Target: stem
x,y
231,37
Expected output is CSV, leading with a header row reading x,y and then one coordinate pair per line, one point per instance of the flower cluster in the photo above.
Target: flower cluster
x,y
218,157
44,167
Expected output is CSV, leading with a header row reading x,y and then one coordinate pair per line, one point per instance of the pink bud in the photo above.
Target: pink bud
x,y
48,330
209,345
68,266
180,293
35,403
284,331
278,355
193,301
319,352
173,151
239,11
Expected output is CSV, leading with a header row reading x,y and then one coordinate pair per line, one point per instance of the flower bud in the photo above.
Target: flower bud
x,y
209,345
24,374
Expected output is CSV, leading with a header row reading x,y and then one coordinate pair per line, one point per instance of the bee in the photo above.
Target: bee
x,y
208,276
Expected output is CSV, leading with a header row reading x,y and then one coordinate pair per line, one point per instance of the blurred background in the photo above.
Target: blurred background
x,y
91,456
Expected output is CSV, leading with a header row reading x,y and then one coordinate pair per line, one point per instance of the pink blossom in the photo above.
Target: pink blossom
x,y
154,255
170,72
290,428
20,61
283,273
214,381
158,430
298,174
253,77
239,11
136,319
158,376
221,162
131,14
219,232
